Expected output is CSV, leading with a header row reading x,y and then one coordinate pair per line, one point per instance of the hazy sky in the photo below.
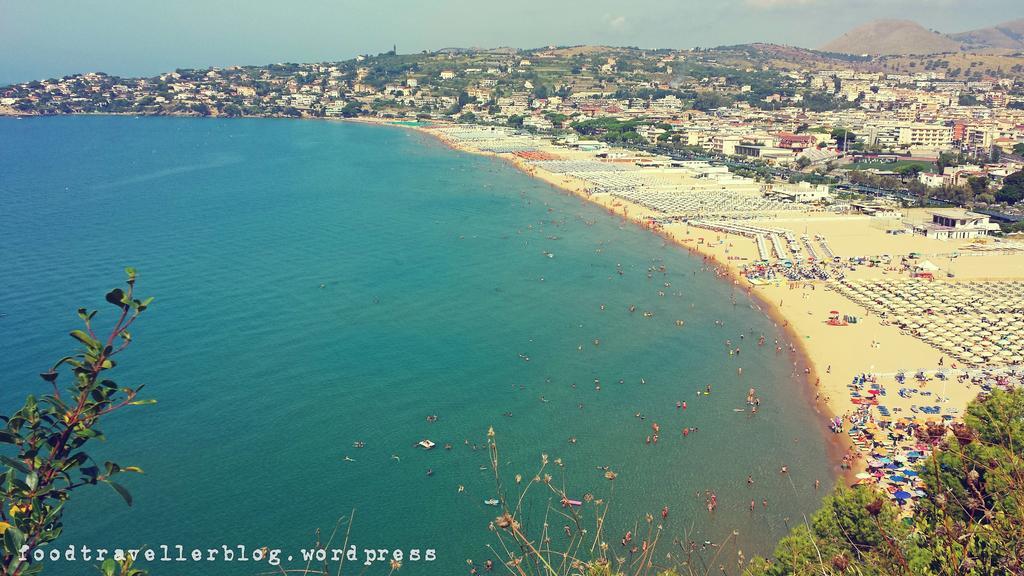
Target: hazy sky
x,y
49,38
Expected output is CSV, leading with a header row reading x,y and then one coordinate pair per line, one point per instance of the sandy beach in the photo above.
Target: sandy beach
x,y
835,355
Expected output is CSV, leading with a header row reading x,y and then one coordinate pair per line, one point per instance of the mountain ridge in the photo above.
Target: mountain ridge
x,y
890,37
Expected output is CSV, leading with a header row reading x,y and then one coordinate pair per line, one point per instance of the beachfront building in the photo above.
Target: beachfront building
x,y
955,224
802,192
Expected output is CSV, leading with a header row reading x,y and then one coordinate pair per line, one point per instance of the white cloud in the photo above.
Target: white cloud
x,y
615,22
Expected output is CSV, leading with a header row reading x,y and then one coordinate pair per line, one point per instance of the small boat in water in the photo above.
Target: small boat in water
x,y
491,502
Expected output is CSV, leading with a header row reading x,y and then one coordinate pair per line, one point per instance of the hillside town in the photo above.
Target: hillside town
x,y
946,128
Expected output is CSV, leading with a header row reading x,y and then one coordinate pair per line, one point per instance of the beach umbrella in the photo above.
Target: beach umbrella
x,y
863,476
902,495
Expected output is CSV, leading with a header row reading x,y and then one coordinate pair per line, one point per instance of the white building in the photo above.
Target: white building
x,y
931,180
936,136
955,224
802,192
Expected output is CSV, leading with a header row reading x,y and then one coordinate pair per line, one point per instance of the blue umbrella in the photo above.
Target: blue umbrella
x,y
899,479
909,473
902,495
890,466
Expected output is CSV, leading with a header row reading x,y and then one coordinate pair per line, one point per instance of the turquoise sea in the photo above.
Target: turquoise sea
x,y
319,284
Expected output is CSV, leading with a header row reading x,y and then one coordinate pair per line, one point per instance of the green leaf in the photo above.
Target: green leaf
x,y
14,539
76,459
87,433
31,569
32,479
135,469
109,567
130,272
116,297
8,438
145,303
55,513
142,402
16,464
122,491
90,473
85,339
